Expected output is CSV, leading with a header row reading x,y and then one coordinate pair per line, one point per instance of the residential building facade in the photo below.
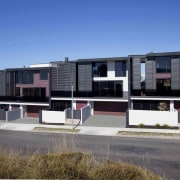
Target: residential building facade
x,y
102,83
143,88
25,88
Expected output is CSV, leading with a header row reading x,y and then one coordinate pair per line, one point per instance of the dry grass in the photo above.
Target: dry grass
x,y
68,165
56,129
148,134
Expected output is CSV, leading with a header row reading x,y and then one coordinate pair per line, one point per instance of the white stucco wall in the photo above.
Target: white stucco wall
x,y
151,118
53,117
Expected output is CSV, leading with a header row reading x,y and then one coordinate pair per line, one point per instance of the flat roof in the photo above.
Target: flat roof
x,y
26,68
90,99
24,103
154,98
103,59
176,53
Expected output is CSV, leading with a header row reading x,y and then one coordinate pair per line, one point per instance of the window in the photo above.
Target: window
x,y
100,69
44,74
163,64
108,88
120,69
163,87
17,91
24,77
36,92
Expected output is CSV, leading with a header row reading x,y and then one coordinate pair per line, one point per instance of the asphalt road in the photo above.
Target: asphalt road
x,y
162,156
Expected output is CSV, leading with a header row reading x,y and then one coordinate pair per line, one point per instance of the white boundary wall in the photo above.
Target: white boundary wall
x,y
151,118
54,117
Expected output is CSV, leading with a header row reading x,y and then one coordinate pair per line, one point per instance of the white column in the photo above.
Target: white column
x,y
10,107
21,108
171,105
74,105
92,108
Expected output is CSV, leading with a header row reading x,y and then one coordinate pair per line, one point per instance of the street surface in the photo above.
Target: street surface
x,y
162,156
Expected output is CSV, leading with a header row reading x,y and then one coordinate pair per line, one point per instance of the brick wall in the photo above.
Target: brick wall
x,y
37,84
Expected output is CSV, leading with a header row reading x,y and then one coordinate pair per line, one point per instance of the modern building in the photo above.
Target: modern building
x,y
102,83
26,89
155,99
143,88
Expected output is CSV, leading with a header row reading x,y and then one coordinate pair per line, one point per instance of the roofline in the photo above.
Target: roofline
x,y
175,53
90,99
103,59
155,98
24,103
26,68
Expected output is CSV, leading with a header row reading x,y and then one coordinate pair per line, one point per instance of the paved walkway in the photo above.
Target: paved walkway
x,y
88,130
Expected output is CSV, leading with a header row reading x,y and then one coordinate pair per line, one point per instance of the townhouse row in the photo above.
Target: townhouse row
x,y
144,88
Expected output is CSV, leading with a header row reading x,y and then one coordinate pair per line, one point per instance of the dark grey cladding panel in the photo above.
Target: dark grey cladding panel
x,y
175,74
149,77
63,75
85,77
2,84
136,65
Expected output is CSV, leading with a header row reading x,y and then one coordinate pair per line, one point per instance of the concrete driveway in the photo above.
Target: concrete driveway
x,y
105,121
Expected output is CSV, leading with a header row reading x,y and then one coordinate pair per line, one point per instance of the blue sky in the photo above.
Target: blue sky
x,y
39,31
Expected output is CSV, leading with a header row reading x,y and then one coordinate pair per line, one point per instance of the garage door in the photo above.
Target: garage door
x,y
33,111
110,108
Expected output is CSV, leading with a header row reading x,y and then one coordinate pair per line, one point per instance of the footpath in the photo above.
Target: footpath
x,y
86,130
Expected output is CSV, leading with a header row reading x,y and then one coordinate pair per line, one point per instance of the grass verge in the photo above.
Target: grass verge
x,y
148,134
68,165
56,129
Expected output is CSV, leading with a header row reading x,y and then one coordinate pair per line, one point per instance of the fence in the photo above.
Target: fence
x,y
85,113
151,118
2,114
13,115
53,117
76,114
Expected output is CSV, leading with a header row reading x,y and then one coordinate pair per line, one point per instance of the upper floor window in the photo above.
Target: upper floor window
x,y
163,64
100,69
44,74
24,77
120,69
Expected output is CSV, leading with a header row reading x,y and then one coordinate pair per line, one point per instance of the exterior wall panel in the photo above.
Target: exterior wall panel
x,y
149,75
2,83
63,76
85,77
175,74
136,65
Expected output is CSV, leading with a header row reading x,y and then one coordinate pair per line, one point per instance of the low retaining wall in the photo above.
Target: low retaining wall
x,y
151,118
85,113
2,114
13,115
53,117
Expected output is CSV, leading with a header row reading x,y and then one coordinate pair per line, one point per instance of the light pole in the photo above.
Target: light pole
x,y
72,113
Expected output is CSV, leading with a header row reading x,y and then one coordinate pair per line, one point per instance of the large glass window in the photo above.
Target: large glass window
x,y
24,77
120,69
108,88
163,64
163,87
44,74
36,92
100,69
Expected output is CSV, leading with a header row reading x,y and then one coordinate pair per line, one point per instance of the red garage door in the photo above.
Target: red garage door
x,y
33,111
110,108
